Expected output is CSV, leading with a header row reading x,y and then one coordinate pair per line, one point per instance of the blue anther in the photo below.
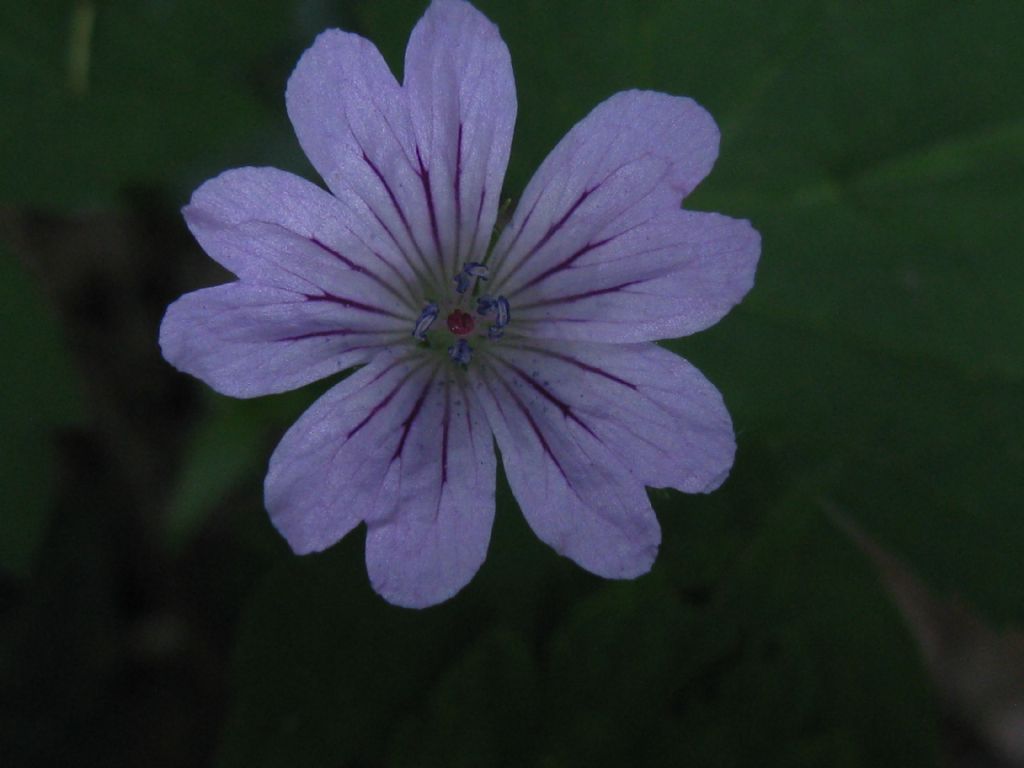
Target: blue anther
x,y
427,318
460,352
470,270
484,304
504,312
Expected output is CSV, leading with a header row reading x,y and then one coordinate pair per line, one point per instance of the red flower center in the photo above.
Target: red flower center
x,y
460,323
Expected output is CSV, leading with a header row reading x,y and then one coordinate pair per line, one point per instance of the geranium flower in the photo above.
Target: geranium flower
x,y
544,340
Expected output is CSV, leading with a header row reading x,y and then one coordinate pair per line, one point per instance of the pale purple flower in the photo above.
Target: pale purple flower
x,y
544,341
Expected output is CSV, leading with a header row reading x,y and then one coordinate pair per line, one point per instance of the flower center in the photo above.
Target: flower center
x,y
484,323
461,323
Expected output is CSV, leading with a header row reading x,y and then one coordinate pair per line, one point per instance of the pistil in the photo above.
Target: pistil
x,y
461,323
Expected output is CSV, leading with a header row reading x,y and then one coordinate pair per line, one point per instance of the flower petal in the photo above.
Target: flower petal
x,y
437,540
352,119
272,228
654,412
673,275
575,491
458,77
247,340
636,155
407,451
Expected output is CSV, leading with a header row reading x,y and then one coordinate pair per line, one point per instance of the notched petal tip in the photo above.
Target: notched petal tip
x,y
325,43
306,531
452,13
199,219
258,194
170,338
615,552
749,256
178,345
417,564
631,563
677,126
716,482
738,250
185,347
333,56
424,591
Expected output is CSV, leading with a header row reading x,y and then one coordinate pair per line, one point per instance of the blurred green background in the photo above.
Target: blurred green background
x,y
827,607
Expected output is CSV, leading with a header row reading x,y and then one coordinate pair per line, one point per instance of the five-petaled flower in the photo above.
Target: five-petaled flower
x,y
543,341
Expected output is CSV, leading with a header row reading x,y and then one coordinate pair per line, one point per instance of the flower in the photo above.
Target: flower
x,y
543,341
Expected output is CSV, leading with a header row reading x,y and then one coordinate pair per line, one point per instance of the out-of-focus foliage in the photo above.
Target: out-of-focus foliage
x,y
39,392
801,665
136,92
223,451
875,369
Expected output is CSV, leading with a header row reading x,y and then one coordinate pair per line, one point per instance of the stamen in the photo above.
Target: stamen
x,y
484,304
460,352
504,312
426,319
470,270
503,315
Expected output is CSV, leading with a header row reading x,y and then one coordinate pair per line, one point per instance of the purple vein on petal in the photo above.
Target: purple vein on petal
x,y
577,363
411,418
547,394
387,398
444,435
401,213
424,175
551,231
399,246
564,264
500,261
529,418
349,350
351,304
458,200
412,295
464,392
574,297
567,262
361,270
340,257
332,332
476,224
554,227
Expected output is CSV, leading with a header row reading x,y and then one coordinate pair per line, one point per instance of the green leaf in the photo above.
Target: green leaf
x,y
110,95
39,391
880,348
229,448
324,668
802,664
818,668
486,702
